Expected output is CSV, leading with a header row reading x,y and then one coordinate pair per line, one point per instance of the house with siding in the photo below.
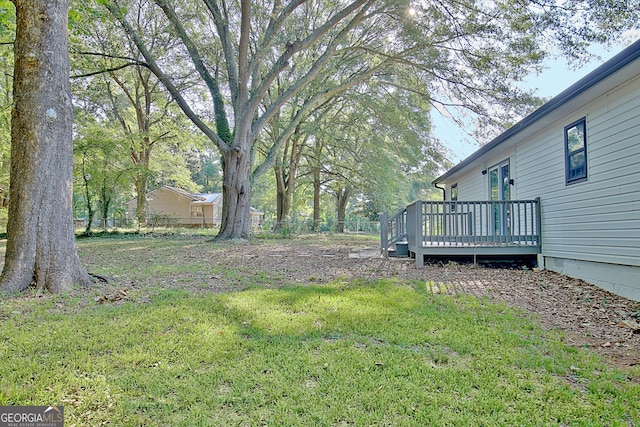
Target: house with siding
x,y
180,207
577,160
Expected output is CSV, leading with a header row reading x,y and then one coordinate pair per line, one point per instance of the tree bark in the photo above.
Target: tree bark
x,y
316,198
316,166
40,237
104,205
140,182
283,203
89,202
342,199
236,188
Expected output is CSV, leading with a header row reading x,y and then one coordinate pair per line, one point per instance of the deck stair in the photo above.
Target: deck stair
x,y
393,234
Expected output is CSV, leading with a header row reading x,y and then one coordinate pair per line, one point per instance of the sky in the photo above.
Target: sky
x,y
546,85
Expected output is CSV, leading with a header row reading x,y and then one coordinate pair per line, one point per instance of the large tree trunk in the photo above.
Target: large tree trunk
x,y
40,238
236,189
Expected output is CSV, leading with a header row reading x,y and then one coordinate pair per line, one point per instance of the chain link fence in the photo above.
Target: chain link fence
x,y
359,226
284,228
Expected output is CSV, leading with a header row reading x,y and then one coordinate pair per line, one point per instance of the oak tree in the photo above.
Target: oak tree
x,y
41,245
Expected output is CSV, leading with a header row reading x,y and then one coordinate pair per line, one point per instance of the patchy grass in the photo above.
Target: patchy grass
x,y
348,352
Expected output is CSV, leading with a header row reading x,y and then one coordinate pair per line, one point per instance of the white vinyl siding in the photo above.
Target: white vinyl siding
x,y
599,220
595,220
470,186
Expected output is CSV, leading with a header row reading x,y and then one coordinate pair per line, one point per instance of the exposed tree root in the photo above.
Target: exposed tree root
x,y
98,278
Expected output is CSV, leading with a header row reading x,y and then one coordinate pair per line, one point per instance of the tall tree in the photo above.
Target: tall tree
x,y
40,238
286,173
141,127
369,145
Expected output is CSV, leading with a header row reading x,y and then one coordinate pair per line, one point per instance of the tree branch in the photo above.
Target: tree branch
x,y
315,68
166,81
272,29
108,70
223,32
211,82
243,51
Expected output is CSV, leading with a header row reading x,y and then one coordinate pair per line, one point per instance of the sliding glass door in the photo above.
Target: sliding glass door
x,y
499,190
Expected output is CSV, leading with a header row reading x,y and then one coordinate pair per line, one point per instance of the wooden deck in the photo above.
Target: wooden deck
x,y
452,229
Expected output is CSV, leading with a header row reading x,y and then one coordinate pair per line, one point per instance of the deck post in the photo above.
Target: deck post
x,y
417,230
539,222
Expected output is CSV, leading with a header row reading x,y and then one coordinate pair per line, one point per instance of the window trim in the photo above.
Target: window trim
x,y
567,154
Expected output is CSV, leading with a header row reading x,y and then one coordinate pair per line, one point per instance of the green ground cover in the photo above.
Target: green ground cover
x,y
379,352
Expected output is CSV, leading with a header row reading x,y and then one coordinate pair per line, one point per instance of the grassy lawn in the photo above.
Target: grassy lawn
x,y
356,352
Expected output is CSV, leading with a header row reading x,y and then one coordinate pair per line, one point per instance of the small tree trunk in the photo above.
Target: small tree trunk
x,y
316,199
104,207
40,238
282,203
342,197
284,195
87,195
286,170
141,197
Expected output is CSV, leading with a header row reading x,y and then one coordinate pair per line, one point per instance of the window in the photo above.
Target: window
x,y
454,192
197,211
575,147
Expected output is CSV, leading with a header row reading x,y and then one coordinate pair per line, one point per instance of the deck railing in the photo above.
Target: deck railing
x,y
393,229
458,223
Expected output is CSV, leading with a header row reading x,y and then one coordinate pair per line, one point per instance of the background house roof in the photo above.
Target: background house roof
x,y
615,64
180,191
206,198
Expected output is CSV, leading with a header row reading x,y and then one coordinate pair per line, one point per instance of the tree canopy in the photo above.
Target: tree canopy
x,y
253,59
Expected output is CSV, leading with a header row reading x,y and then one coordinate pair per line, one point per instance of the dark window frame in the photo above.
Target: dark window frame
x,y
569,155
453,196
